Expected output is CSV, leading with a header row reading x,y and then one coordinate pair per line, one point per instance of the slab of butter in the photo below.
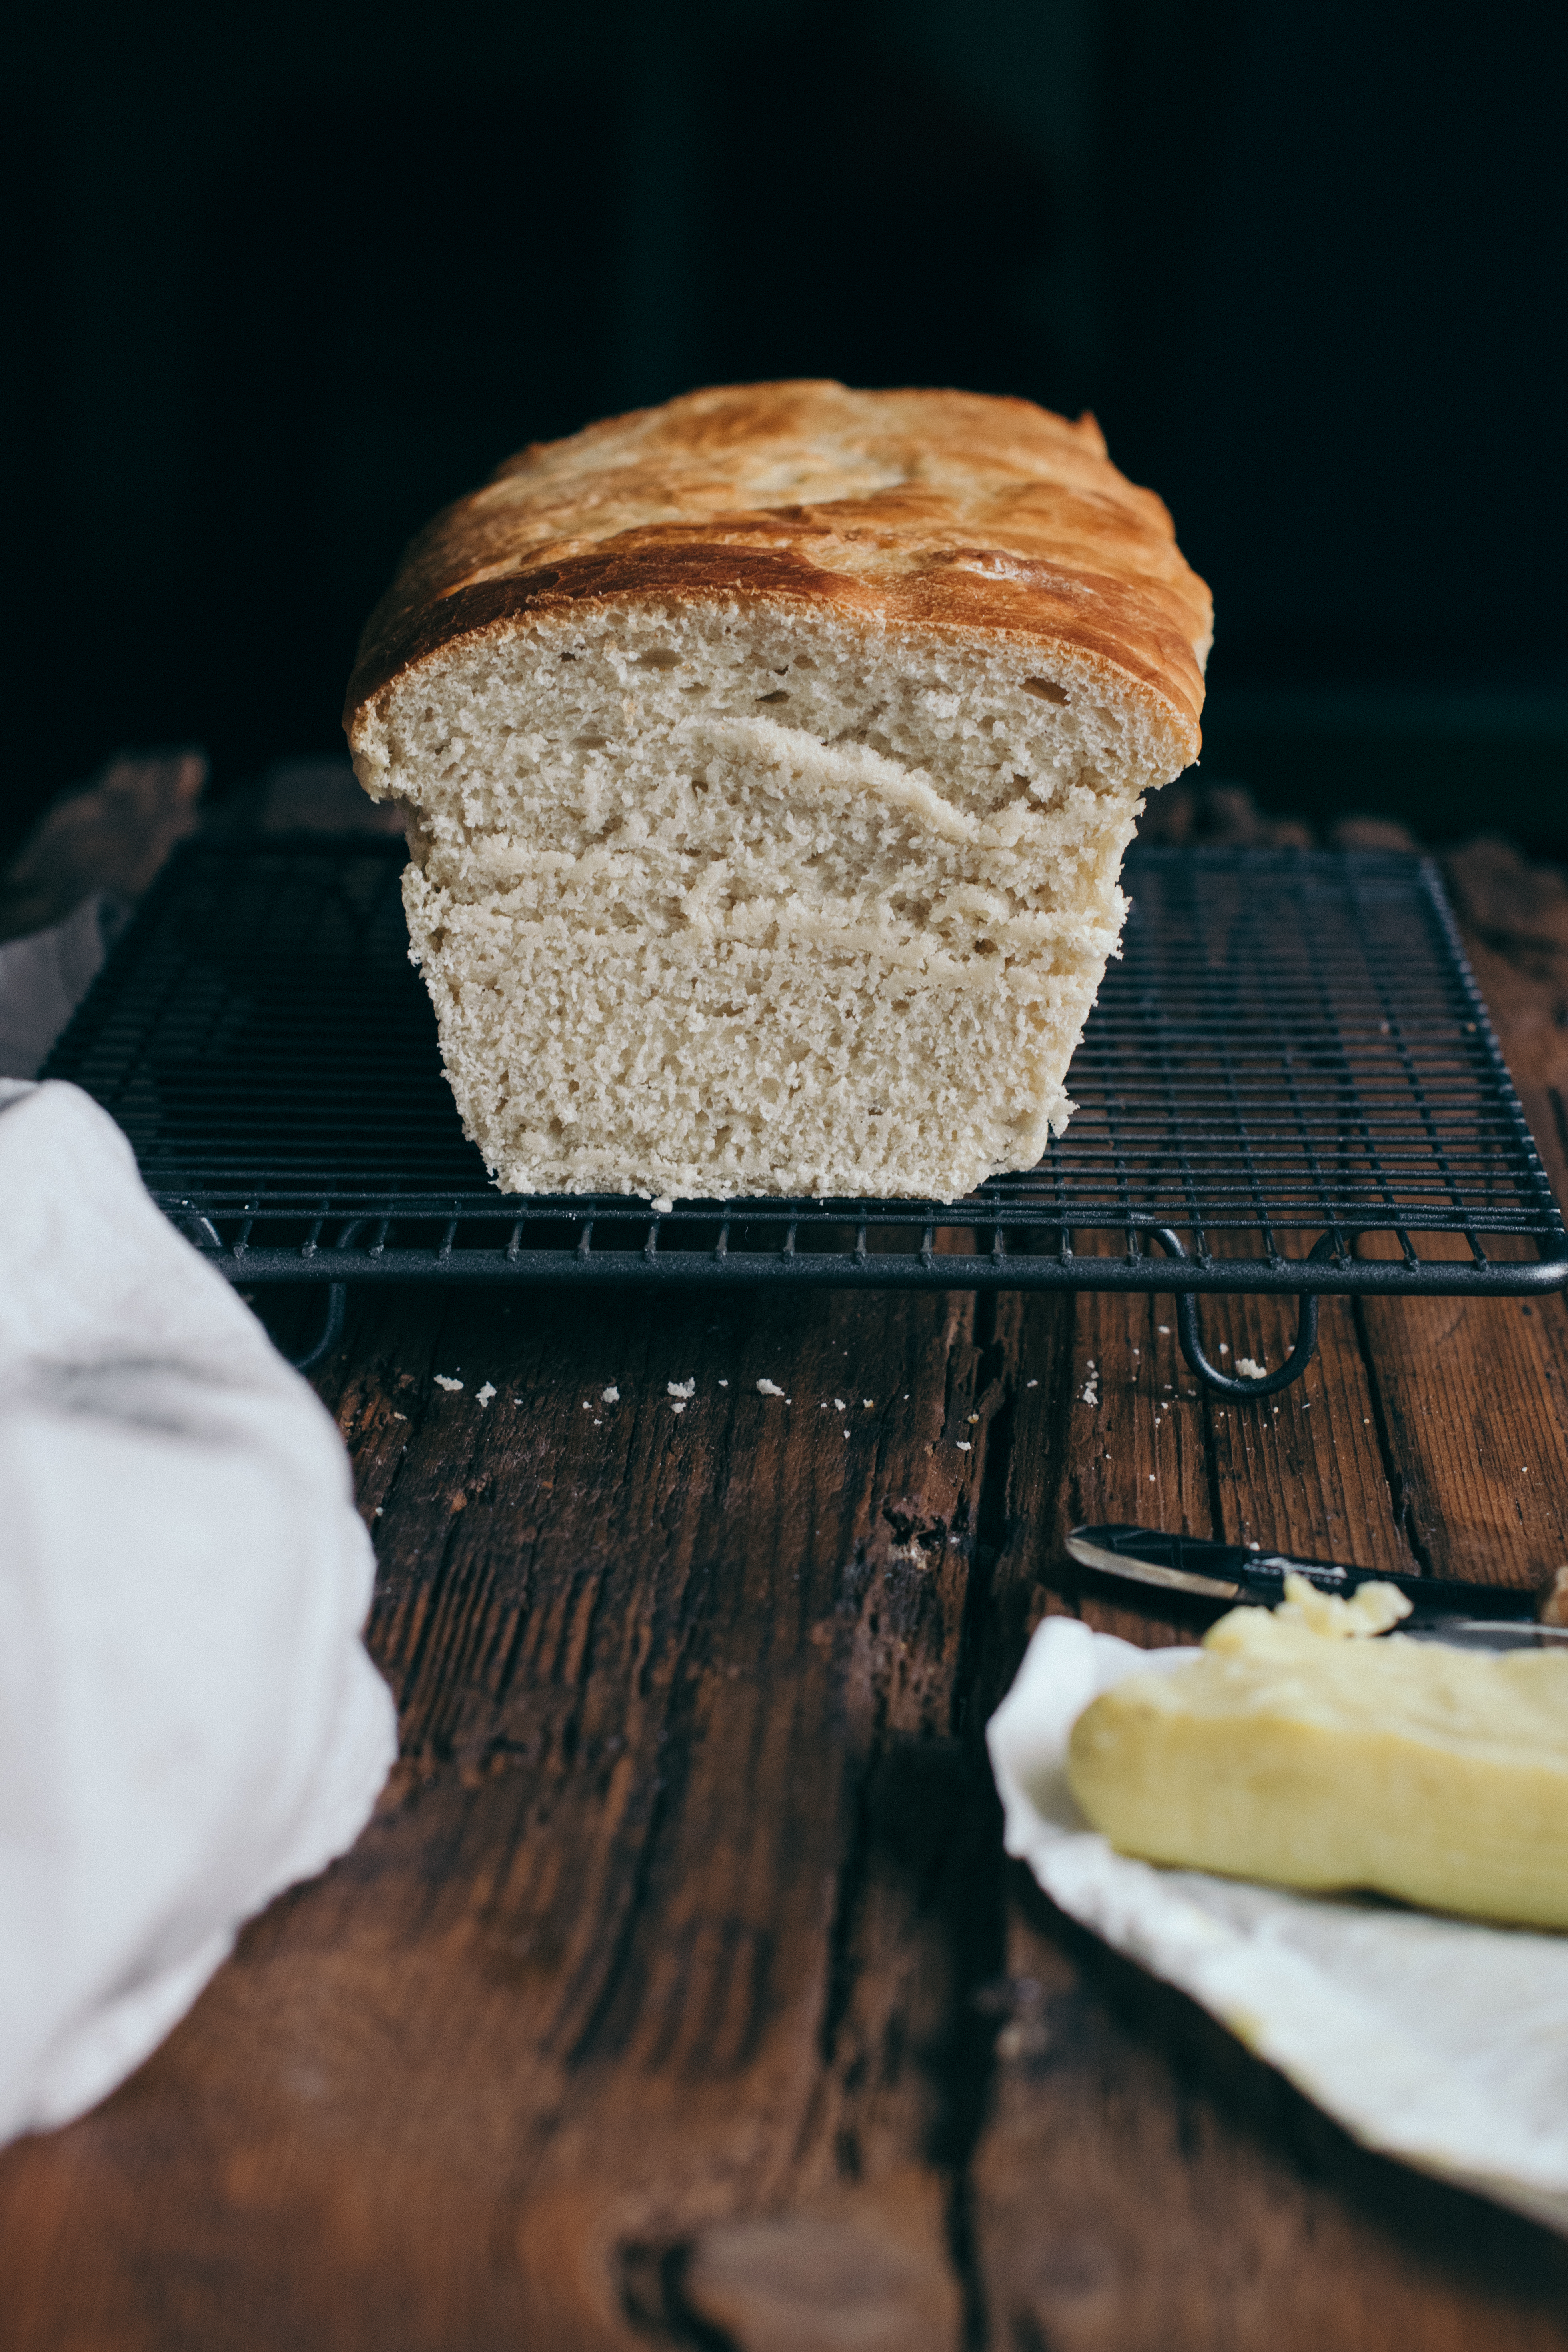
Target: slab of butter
x,y
1293,1752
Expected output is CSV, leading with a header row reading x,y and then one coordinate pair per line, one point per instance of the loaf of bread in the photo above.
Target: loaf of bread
x,y
769,758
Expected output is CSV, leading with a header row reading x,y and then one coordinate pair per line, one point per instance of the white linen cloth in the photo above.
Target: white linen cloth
x,y
188,1720
1437,2040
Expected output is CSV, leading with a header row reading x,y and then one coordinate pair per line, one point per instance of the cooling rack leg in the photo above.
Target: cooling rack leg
x,y
332,1329
1226,1383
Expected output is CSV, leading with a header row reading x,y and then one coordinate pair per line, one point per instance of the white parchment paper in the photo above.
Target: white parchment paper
x,y
1437,2041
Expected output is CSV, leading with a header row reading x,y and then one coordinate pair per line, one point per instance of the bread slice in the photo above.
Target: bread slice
x,y
769,759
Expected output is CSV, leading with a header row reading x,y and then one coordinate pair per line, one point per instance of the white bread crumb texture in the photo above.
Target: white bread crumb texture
x,y
725,900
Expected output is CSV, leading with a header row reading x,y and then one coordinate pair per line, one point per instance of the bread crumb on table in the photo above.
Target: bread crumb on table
x,y
769,1388
613,1395
486,1395
680,1388
451,1386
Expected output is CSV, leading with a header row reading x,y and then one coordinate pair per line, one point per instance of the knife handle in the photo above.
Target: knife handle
x,y
1430,1596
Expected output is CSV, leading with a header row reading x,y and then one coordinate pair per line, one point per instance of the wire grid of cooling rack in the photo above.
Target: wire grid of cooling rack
x,y
1290,1083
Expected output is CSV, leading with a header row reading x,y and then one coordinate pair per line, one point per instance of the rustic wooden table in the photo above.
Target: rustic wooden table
x,y
679,1992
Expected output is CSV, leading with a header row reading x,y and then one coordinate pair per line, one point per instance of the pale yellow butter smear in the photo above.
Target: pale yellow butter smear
x,y
1297,1751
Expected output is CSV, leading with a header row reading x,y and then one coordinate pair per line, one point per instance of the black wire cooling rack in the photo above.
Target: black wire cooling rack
x,y
1290,1083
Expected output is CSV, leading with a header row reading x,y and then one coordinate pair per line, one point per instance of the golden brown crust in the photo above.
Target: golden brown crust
x,y
937,510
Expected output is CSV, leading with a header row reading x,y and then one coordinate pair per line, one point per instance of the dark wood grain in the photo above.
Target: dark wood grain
x,y
679,1992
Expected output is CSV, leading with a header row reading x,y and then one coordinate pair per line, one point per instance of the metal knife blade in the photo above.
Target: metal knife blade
x,y
1480,1615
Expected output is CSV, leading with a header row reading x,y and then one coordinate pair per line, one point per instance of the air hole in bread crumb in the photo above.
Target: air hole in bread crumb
x,y
660,658
589,742
1045,689
780,694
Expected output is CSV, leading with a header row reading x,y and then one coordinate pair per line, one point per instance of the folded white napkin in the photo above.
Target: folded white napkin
x,y
1437,2040
188,1720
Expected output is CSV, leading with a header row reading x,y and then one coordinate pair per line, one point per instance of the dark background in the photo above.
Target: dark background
x,y
280,283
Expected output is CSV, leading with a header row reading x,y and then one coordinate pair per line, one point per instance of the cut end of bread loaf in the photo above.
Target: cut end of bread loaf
x,y
726,887
715,903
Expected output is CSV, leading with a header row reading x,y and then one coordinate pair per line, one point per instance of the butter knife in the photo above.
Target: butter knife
x,y
1444,1608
